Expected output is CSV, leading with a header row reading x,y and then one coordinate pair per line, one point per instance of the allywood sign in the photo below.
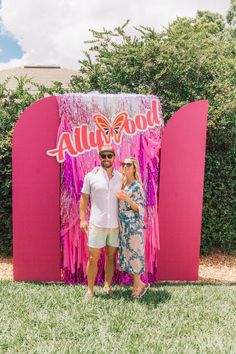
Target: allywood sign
x,y
82,140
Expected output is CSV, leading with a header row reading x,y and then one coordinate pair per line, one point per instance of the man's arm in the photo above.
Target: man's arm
x,y
82,210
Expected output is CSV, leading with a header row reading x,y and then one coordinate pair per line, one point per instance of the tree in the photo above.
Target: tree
x,y
231,15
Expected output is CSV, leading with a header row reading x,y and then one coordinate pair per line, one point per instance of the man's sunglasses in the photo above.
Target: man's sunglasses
x,y
106,156
126,164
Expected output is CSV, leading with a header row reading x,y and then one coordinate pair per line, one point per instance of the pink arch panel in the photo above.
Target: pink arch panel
x,y
36,212
181,192
36,193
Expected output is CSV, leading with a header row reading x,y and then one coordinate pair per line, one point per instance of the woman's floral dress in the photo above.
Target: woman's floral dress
x,y
131,245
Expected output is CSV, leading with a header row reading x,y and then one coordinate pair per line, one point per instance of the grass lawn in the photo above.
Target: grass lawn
x,y
171,318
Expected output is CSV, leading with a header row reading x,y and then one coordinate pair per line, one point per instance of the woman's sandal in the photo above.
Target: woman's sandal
x,y
141,292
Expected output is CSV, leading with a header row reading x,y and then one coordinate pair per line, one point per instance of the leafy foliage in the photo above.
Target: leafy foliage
x,y
12,104
231,15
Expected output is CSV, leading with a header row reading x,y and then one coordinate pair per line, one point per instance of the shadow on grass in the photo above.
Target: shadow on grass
x,y
152,298
196,283
44,283
160,283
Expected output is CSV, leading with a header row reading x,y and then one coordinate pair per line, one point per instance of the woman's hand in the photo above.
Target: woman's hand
x,y
95,170
121,195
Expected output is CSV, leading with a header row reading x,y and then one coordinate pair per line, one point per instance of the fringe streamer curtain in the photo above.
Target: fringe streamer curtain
x,y
78,109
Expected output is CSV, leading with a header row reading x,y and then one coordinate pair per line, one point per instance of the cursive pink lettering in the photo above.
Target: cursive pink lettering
x,y
82,140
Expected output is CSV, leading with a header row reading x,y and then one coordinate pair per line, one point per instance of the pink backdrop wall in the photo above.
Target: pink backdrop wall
x,y
36,177
36,191
181,192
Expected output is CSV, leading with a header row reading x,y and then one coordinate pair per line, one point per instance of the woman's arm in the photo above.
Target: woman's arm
x,y
137,199
133,205
124,196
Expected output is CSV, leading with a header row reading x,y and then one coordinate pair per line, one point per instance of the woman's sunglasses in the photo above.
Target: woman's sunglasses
x,y
106,156
126,164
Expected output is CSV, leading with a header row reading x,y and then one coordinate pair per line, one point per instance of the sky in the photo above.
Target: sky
x,y
52,32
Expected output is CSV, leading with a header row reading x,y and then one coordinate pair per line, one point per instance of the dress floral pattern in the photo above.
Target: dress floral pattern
x,y
131,244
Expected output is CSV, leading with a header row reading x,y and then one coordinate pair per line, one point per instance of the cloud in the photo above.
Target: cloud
x,y
13,63
52,32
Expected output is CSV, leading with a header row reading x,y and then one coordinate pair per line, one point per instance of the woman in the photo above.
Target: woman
x,y
131,215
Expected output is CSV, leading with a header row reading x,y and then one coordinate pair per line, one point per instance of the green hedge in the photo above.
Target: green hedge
x,y
219,219
12,104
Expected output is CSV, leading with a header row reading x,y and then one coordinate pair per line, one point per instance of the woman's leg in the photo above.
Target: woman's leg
x,y
139,288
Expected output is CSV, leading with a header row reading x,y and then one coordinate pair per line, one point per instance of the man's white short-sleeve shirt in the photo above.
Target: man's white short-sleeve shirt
x,y
104,202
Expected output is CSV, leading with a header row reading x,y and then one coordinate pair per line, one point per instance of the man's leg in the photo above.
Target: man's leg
x,y
109,265
92,268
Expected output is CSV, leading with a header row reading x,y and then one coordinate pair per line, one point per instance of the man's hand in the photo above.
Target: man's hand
x,y
84,226
82,210
95,170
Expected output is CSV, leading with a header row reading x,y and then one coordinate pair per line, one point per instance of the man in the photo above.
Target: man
x,y
103,229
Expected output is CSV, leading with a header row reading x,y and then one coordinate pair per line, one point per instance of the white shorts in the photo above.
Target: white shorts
x,y
98,237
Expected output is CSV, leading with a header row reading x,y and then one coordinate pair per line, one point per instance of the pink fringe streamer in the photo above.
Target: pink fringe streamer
x,y
77,109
